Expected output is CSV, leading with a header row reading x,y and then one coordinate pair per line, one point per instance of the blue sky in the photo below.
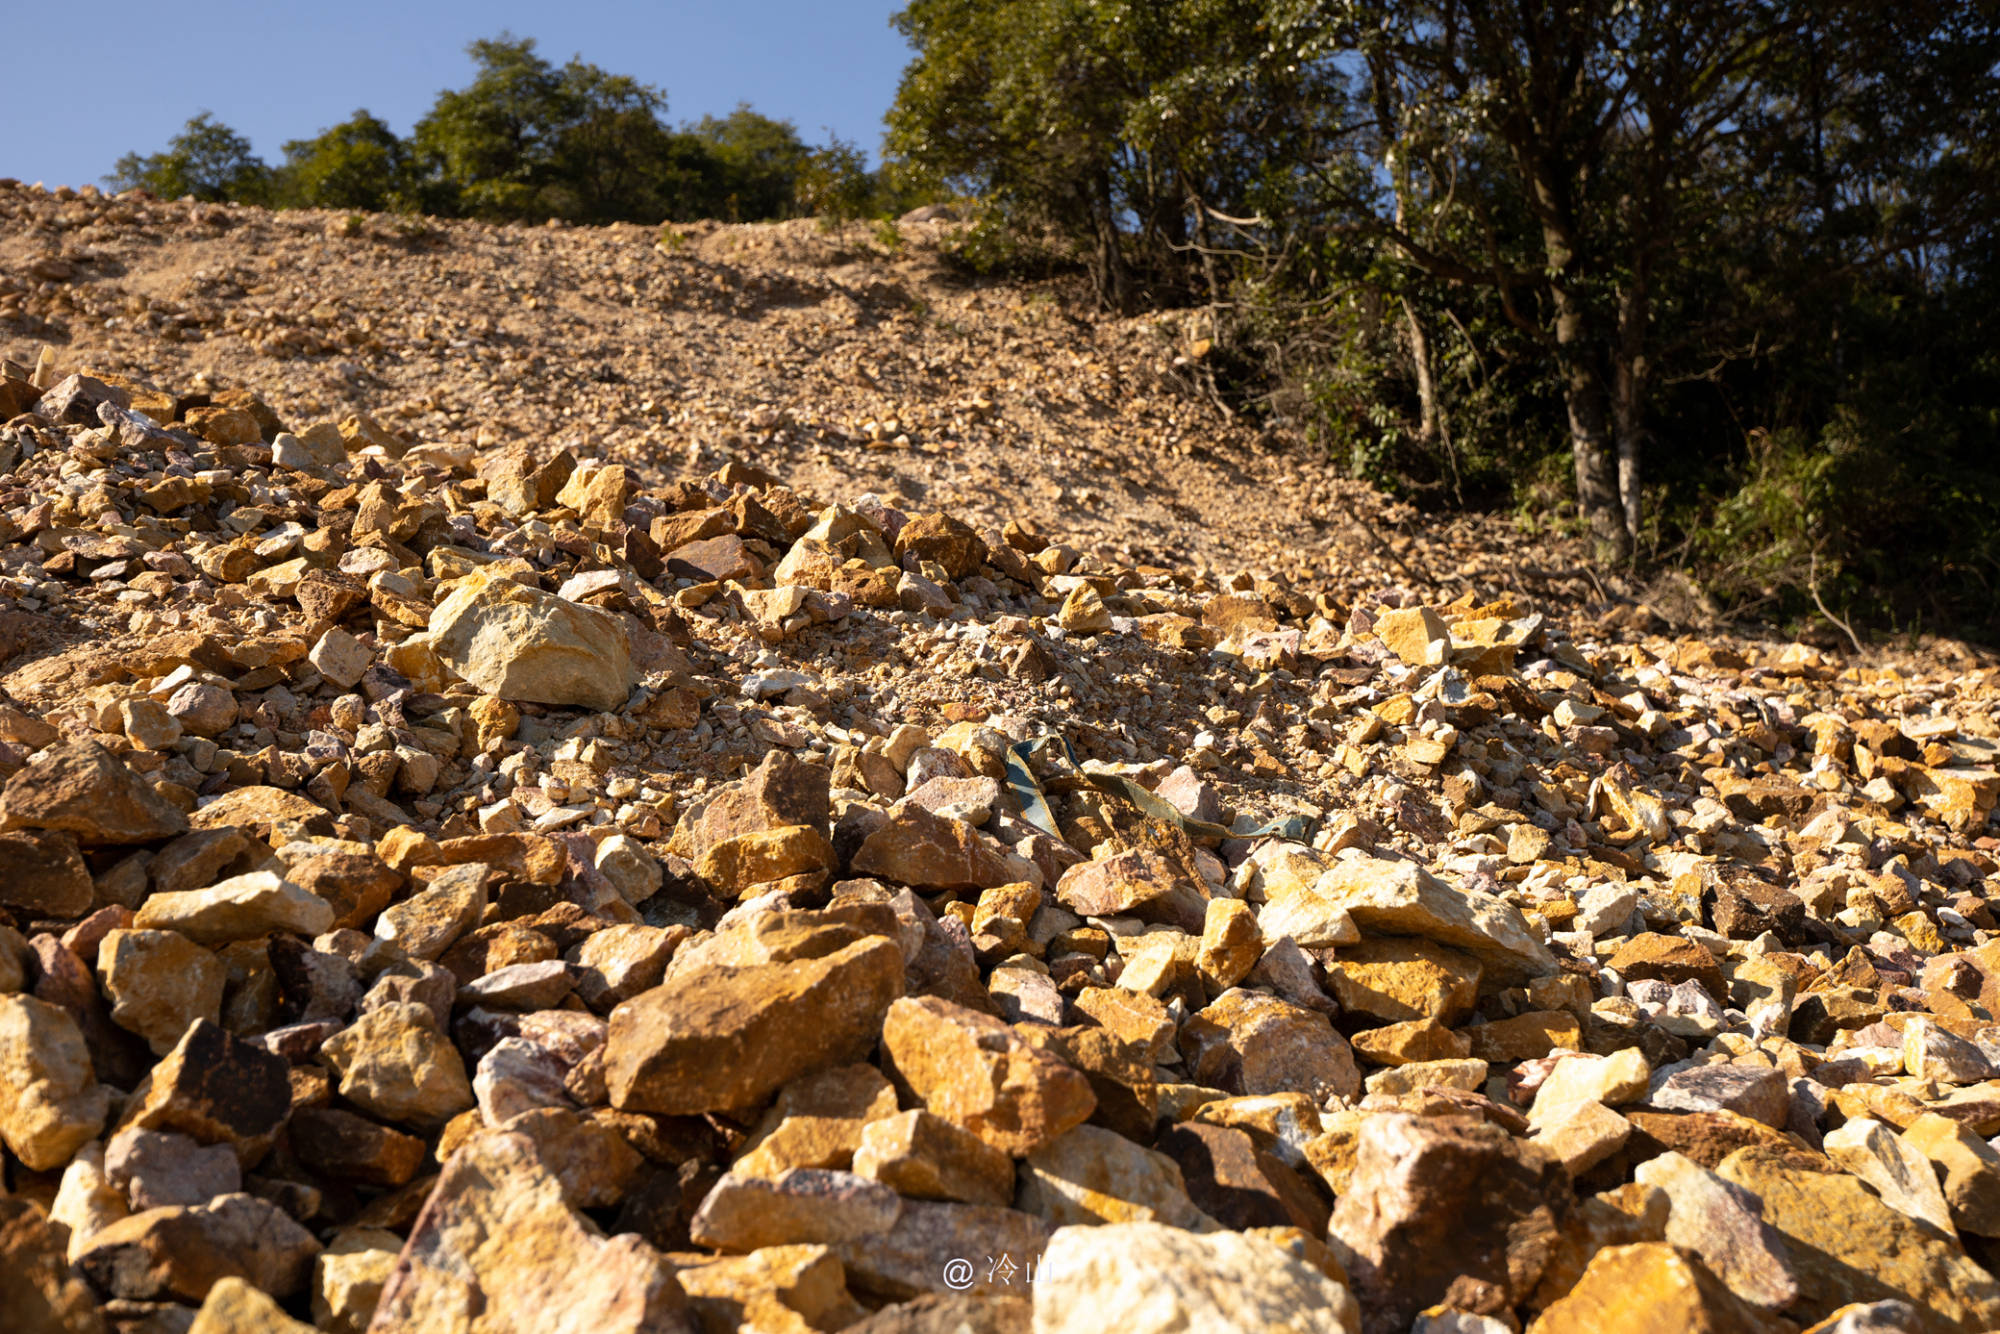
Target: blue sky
x,y
88,83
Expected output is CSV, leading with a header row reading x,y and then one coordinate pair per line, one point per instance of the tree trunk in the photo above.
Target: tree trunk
x,y
1628,395
1420,355
1581,357
1590,435
1108,266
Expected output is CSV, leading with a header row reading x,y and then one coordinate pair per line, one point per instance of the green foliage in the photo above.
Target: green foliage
x,y
526,141
206,159
358,164
1709,280
835,184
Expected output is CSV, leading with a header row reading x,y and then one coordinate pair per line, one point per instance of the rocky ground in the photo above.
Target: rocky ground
x,y
591,780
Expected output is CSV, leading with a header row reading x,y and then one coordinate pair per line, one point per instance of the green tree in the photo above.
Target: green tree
x,y
1134,129
489,149
358,164
1588,162
206,159
761,160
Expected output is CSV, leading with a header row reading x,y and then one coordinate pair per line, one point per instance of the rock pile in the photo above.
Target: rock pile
x,y
505,889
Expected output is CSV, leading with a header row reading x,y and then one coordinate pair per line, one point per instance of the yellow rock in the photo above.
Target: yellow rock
x,y
1652,1288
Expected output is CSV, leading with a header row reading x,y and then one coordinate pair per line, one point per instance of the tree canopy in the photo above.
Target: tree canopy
x,y
1720,258
526,140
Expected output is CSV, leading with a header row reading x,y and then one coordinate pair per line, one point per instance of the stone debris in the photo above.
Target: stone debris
x,y
747,868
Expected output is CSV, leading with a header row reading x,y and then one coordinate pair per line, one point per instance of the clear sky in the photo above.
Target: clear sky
x,y
87,82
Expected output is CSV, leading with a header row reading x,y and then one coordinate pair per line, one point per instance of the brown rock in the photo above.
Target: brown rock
x,y
239,908
341,1146
195,860
1401,978
1759,1092
1845,1245
1238,1184
157,1168
781,791
1525,1036
1445,1210
393,1063
355,885
50,1100
1251,1043
38,1290
943,540
497,1244
526,645
1411,1040
1148,1279
82,788
926,1157
43,874
805,1206
159,983
1723,1224
427,923
1138,882
1093,1175
779,1287
1968,1170
931,851
910,1257
1652,1288
180,1252
976,1072
234,1307
1669,959
215,1088
726,1038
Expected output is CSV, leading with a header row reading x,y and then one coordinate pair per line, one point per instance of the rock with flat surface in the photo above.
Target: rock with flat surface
x,y
50,1100
1093,1175
1652,1288
1967,1168
240,908
1845,1245
728,1038
804,1206
497,1249
158,1168
179,1252
525,645
1147,1278
1137,882
1445,1209
1401,898
976,1072
1759,1092
1901,1175
43,874
1398,979
926,1157
81,788
159,983
215,1088
1723,1224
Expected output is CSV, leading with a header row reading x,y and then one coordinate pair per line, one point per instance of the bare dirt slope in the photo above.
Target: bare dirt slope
x,y
838,363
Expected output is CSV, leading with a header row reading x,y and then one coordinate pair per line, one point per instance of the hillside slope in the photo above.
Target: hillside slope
x,y
740,781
